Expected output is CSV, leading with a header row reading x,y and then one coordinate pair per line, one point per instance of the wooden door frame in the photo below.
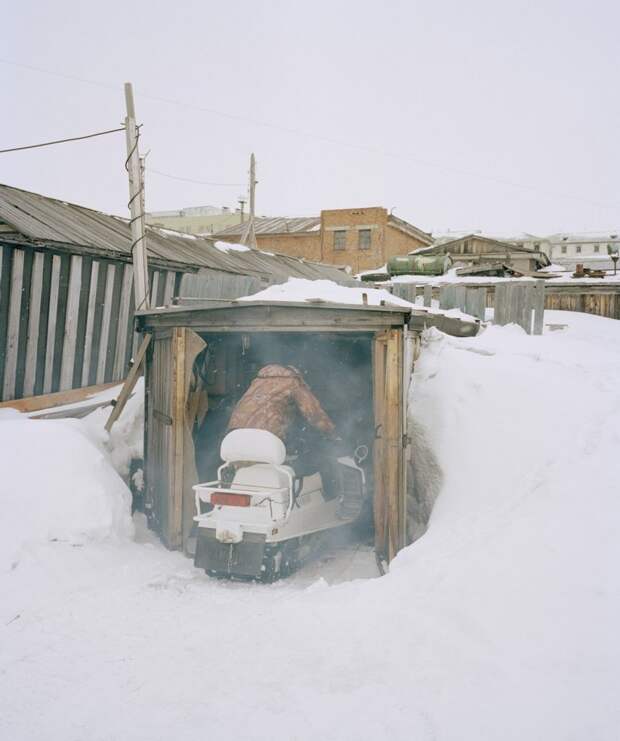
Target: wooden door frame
x,y
389,500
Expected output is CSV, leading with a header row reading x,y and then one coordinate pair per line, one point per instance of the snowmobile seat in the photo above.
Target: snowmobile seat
x,y
253,446
266,475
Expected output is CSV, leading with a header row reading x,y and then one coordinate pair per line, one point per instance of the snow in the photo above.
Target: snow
x,y
451,276
231,247
326,291
499,622
174,233
126,439
41,504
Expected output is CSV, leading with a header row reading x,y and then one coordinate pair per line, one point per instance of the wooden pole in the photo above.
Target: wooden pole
x,y
136,201
249,237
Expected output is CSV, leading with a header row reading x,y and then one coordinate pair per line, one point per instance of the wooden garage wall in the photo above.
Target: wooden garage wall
x,y
66,320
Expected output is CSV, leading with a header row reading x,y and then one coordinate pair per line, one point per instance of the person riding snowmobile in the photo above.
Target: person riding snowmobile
x,y
275,400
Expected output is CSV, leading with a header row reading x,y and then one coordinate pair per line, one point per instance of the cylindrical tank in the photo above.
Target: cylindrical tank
x,y
419,264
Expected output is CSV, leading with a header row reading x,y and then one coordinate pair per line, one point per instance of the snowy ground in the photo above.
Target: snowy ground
x,y
501,622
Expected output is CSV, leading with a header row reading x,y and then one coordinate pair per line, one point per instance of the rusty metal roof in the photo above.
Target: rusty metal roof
x,y
49,222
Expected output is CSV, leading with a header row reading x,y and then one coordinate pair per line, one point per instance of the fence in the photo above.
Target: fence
x,y
521,303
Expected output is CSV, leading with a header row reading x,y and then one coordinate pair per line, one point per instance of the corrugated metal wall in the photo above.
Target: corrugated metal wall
x,y
66,321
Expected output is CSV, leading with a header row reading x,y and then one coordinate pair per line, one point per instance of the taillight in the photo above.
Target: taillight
x,y
231,500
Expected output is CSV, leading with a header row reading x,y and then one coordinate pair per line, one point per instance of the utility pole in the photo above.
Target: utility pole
x,y
134,166
249,235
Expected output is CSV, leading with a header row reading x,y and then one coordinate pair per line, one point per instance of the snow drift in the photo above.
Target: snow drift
x,y
56,486
499,623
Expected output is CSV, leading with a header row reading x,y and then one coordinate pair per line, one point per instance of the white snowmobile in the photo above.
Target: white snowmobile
x,y
258,520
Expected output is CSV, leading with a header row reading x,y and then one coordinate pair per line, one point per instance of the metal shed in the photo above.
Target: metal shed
x,y
383,340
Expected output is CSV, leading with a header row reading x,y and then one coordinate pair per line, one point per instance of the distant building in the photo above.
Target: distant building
x,y
196,220
565,249
360,238
589,248
476,249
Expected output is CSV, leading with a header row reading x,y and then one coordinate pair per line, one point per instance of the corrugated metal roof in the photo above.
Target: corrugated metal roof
x,y
275,225
48,221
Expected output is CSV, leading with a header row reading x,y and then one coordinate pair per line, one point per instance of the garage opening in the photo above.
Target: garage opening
x,y
337,370
351,360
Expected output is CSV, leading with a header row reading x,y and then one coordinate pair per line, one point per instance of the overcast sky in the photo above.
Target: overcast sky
x,y
500,116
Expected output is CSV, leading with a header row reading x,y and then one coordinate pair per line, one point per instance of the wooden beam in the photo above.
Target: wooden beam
x,y
175,513
379,491
130,382
49,401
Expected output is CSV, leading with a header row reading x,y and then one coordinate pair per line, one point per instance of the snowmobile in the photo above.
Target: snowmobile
x,y
258,520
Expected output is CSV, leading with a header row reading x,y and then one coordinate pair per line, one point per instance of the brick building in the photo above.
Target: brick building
x,y
362,238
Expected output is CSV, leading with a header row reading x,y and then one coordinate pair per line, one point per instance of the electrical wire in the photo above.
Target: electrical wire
x,y
191,180
62,141
310,135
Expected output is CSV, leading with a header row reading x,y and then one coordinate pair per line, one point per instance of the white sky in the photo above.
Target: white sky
x,y
501,116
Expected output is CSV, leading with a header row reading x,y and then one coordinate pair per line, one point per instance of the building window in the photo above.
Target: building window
x,y
578,249
340,239
563,249
363,239
596,248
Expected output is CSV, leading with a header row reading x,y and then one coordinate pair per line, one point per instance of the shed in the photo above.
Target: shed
x,y
357,359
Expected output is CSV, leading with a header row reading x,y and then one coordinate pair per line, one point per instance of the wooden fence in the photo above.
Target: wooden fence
x,y
521,303
66,320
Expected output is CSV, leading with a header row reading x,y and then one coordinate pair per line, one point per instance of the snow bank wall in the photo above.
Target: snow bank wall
x,y
56,486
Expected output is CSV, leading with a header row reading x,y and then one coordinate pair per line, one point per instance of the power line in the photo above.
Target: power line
x,y
330,140
62,141
191,180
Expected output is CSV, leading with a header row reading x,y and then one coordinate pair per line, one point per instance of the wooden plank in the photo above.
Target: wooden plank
x,y
428,295
150,287
61,320
131,333
379,490
410,340
100,294
82,321
5,298
114,322
44,311
24,323
527,307
393,442
51,325
175,521
13,325
471,301
161,288
105,324
460,297
132,378
59,398
90,322
539,306
169,288
71,323
314,317
482,303
33,324
178,277
120,367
